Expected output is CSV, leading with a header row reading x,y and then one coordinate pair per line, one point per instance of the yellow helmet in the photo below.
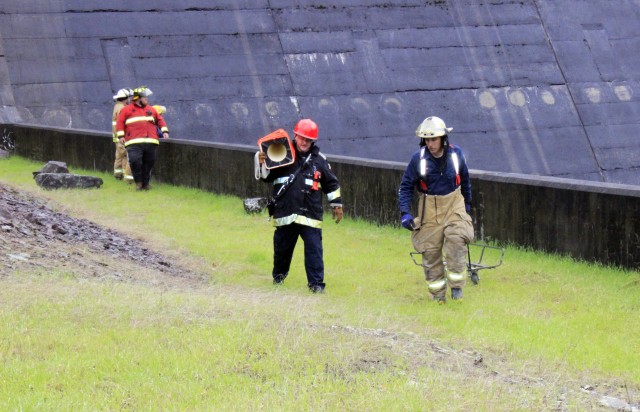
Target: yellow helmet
x,y
141,91
160,109
432,126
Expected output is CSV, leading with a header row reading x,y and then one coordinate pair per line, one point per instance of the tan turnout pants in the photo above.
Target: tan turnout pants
x,y
444,228
121,166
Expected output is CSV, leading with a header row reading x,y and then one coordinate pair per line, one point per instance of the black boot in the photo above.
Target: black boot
x,y
278,279
456,293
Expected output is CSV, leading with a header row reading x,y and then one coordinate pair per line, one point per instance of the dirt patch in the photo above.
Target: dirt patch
x,y
493,370
34,237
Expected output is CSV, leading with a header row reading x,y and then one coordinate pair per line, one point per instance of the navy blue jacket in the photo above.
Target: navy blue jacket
x,y
440,178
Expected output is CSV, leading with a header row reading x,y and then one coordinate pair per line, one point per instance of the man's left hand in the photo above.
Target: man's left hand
x,y
165,135
337,213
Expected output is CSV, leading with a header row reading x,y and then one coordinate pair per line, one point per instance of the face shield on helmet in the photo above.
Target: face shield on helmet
x,y
306,128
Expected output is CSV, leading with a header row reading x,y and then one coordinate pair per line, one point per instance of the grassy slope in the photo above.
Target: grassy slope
x,y
238,343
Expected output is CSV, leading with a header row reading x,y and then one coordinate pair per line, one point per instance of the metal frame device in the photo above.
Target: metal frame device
x,y
472,267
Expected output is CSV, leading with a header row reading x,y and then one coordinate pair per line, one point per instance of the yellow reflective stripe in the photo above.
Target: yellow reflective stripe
x,y
164,129
282,221
120,133
301,220
437,285
455,276
141,140
139,119
333,195
115,139
114,122
128,177
118,170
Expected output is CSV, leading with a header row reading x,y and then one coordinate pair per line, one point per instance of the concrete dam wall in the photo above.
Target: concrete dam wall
x,y
594,221
538,87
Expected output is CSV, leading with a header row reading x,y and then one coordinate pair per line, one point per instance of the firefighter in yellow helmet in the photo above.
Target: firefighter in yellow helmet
x,y
121,168
439,174
139,127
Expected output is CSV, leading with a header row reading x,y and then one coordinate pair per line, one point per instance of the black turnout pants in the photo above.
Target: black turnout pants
x,y
284,242
142,157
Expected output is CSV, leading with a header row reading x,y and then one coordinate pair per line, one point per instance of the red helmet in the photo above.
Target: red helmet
x,y
307,128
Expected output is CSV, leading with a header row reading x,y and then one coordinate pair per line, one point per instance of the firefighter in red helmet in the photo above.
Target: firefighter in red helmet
x,y
297,207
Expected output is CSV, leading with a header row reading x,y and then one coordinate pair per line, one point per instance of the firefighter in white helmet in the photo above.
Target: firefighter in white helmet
x,y
121,168
443,227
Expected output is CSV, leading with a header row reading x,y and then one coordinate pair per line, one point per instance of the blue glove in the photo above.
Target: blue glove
x,y
467,207
407,221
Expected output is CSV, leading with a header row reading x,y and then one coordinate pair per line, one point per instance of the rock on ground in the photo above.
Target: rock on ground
x,y
53,166
67,181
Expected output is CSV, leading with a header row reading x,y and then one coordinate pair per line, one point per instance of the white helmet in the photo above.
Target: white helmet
x,y
122,94
432,126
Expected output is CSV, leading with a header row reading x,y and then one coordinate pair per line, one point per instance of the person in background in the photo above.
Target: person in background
x,y
161,110
137,128
121,168
439,173
297,210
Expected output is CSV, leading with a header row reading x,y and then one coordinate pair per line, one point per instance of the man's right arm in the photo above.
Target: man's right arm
x,y
114,119
260,171
405,195
120,124
407,187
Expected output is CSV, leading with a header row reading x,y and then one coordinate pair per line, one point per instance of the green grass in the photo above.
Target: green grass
x,y
238,343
